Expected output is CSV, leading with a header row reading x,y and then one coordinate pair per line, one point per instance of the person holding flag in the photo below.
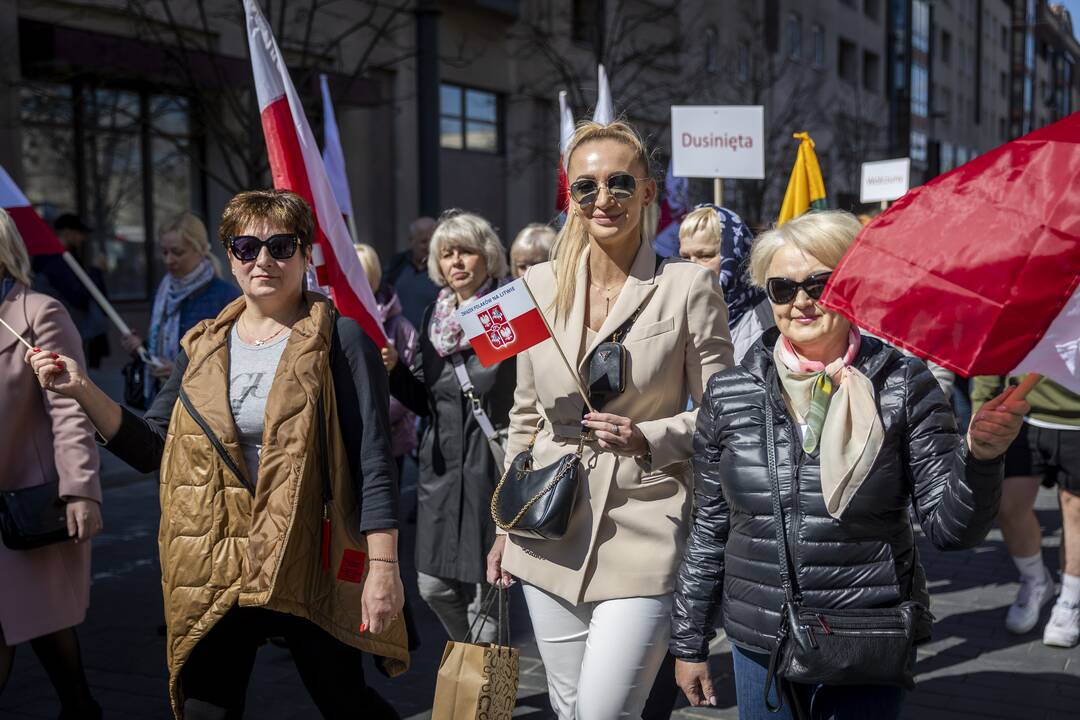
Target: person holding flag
x,y
600,596
466,402
272,524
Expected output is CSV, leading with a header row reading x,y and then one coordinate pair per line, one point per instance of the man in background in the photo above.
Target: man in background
x,y
407,272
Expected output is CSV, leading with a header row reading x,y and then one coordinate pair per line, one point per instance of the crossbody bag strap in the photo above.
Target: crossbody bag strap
x,y
777,509
477,409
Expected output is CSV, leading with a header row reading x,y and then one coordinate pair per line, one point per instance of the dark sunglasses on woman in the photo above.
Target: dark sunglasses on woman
x,y
782,291
246,248
620,186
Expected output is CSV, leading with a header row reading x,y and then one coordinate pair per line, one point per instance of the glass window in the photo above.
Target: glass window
x,y
48,144
920,90
946,47
918,146
871,74
846,61
744,61
947,160
920,25
469,119
710,50
794,36
588,18
819,46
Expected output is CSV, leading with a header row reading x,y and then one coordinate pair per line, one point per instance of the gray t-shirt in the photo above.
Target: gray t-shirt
x,y
251,372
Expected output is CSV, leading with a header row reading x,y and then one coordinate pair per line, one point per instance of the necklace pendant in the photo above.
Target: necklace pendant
x,y
259,343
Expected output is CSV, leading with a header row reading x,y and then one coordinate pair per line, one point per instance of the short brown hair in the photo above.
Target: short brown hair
x,y
281,206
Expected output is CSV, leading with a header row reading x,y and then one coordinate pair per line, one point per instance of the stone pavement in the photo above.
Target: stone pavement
x,y
972,669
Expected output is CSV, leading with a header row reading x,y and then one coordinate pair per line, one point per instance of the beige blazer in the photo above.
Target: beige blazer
x,y
630,521
45,438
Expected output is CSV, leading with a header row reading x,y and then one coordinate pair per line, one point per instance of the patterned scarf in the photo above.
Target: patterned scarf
x,y
164,340
445,332
838,406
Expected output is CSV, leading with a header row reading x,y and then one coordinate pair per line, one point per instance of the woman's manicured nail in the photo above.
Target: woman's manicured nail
x,y
60,365
54,356
363,627
37,349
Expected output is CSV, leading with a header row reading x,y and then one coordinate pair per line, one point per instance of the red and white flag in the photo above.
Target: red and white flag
x,y
566,135
38,237
333,156
979,269
503,323
605,108
297,166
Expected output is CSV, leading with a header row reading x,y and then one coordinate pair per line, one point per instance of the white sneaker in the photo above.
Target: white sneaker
x,y
1063,629
1023,614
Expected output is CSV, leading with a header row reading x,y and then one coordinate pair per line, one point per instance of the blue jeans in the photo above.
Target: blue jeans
x,y
821,702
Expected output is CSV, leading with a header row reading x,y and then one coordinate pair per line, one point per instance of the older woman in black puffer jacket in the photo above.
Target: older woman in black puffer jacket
x,y
861,433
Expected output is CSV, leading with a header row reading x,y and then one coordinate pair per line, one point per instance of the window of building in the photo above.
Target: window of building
x,y
794,36
945,49
1003,81
846,62
947,158
818,35
961,155
743,61
920,90
871,71
918,146
127,147
1004,37
710,47
872,9
1001,129
469,119
588,21
920,25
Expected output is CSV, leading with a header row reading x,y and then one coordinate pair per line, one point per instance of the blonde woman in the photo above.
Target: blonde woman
x,y
457,470
842,469
44,592
532,246
600,597
191,291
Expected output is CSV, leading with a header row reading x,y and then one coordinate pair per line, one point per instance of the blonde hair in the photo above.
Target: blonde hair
x,y
369,259
192,232
468,231
14,259
534,236
704,218
573,238
825,235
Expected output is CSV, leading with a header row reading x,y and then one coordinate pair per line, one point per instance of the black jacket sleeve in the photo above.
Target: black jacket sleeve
x,y
140,441
956,496
363,405
700,581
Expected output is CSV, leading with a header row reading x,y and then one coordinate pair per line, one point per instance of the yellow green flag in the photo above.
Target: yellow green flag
x,y
806,188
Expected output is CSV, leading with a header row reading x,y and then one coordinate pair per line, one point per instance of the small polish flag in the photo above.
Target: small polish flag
x,y
503,323
38,237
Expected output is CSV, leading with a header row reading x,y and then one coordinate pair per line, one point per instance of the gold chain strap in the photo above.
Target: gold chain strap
x,y
535,498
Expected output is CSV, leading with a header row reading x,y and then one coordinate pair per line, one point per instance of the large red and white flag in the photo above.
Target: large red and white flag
x,y
605,108
503,323
333,156
979,269
296,165
38,237
566,135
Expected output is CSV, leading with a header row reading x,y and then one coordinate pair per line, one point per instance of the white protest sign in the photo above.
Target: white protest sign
x,y
718,141
885,180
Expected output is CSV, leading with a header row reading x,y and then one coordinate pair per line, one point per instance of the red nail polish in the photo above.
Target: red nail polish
x,y
37,349
363,627
60,365
54,356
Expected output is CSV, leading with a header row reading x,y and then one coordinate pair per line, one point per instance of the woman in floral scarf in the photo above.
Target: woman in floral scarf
x,y
457,470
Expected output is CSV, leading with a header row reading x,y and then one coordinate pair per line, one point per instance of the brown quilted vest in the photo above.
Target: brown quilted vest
x,y
220,544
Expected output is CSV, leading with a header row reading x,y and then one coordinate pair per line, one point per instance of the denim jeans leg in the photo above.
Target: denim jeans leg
x,y
751,670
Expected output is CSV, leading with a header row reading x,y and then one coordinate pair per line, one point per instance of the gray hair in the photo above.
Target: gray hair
x,y
825,235
468,231
534,236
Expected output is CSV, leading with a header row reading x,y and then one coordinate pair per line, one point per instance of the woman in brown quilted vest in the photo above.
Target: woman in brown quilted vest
x,y
271,524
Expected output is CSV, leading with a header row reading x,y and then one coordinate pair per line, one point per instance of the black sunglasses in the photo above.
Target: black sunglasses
x,y
620,186
246,248
782,291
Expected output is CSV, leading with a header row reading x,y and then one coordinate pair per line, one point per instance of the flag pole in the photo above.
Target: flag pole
x,y
96,293
573,373
1030,380
17,335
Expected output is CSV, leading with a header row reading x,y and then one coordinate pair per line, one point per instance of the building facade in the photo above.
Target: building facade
x,y
130,111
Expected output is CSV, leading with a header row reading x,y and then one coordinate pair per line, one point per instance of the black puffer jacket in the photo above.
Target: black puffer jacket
x,y
866,559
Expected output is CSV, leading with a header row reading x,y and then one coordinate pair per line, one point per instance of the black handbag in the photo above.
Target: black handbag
x,y
135,384
33,517
537,502
828,646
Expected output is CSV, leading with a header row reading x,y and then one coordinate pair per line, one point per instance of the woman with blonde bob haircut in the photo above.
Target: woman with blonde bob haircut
x,y
532,246
808,456
458,471
600,596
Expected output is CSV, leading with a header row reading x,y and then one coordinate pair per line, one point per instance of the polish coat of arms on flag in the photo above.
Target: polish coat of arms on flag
x,y
503,323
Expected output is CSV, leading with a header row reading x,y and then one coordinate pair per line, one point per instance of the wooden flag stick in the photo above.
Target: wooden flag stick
x,y
20,337
573,372
1030,380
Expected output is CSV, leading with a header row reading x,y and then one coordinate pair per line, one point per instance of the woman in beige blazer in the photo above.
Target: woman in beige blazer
x,y
600,597
44,592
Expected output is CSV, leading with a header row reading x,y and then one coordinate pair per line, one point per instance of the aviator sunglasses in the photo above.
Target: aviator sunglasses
x,y
246,248
620,186
782,291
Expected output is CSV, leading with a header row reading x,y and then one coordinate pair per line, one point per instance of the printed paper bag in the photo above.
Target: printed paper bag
x,y
476,682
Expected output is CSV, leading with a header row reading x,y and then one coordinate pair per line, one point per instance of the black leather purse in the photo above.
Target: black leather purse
x,y
537,502
135,384
829,646
33,517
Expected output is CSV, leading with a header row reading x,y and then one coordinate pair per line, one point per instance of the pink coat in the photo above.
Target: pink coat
x,y
44,438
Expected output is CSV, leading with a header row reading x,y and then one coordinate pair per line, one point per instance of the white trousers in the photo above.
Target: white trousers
x,y
601,658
